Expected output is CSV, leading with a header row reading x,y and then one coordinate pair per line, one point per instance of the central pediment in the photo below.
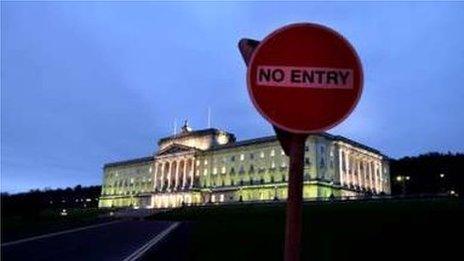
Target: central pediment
x,y
175,148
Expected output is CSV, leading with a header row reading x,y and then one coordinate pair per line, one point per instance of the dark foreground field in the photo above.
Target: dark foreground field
x,y
406,229
48,221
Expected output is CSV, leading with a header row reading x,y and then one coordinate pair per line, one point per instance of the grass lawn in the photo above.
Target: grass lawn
x,y
408,229
48,221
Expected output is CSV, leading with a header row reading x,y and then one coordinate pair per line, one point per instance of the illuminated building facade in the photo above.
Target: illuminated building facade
x,y
210,166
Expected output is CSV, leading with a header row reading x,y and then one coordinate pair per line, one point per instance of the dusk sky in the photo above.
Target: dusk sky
x,y
86,83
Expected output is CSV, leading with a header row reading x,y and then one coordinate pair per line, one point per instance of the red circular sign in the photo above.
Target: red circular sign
x,y
305,78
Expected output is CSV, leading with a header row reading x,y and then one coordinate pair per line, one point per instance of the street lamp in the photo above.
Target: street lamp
x,y
442,183
402,180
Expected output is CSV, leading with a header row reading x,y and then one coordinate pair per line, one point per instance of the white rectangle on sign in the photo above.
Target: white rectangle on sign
x,y
305,77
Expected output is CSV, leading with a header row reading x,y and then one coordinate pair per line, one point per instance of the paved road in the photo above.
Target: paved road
x,y
111,241
176,247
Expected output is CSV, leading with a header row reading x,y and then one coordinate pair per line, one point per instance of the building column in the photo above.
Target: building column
x,y
155,177
340,163
376,178
348,175
381,177
364,173
169,176
358,168
184,174
176,181
161,179
354,171
192,171
371,174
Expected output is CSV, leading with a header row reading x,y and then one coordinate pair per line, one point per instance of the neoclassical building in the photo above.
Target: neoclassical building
x,y
210,166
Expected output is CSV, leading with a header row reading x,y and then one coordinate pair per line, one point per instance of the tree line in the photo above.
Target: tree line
x,y
429,173
33,202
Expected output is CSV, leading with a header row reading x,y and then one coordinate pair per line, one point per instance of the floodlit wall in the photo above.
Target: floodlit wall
x,y
264,163
123,184
270,193
251,171
172,200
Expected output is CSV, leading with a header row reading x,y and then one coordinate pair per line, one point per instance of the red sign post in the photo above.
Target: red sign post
x,y
302,78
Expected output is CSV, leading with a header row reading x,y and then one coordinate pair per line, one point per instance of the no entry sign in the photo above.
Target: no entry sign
x,y
304,78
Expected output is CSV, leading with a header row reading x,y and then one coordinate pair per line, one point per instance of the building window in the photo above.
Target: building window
x,y
322,163
252,156
214,171
205,172
272,153
283,164
221,198
262,181
205,162
252,168
272,179
343,161
232,158
232,171
306,176
198,173
273,165
242,170
282,152
242,157
198,162
261,155
307,162
223,170
306,148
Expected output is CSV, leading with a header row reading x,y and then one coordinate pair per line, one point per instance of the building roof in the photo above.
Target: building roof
x,y
129,162
244,143
237,144
274,138
194,133
351,142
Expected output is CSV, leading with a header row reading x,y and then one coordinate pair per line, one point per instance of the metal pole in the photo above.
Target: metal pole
x,y
293,145
295,197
